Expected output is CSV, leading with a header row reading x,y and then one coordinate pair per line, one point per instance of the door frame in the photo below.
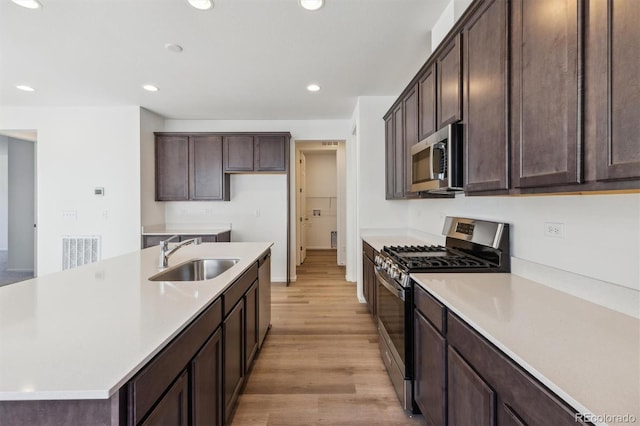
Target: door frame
x,y
339,146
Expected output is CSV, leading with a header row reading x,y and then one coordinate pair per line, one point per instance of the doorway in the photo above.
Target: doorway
x,y
320,204
17,206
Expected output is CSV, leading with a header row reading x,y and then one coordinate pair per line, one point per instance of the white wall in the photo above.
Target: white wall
x,y
322,195
4,192
79,149
367,188
448,18
602,232
151,211
241,186
21,176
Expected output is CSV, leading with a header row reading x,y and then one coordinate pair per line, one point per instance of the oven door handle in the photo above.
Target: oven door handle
x,y
394,289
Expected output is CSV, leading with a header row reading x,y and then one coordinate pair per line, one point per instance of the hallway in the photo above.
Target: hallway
x,y
320,363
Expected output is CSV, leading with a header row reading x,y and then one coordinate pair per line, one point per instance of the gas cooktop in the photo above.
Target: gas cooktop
x,y
471,246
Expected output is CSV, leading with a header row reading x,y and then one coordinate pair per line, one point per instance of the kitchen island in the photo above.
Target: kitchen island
x,y
71,343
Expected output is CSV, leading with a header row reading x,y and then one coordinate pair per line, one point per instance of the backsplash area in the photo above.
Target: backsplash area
x,y
256,212
598,238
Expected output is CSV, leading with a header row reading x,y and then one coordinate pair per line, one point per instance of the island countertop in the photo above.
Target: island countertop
x,y
83,333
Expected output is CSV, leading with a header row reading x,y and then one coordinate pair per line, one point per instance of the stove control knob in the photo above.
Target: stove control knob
x,y
394,272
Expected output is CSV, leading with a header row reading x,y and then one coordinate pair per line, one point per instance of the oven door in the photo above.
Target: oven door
x,y
394,332
391,316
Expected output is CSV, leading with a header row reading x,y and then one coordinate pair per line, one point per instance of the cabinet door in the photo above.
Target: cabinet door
x,y
238,153
173,408
546,98
206,382
449,78
470,400
205,161
427,101
389,157
233,327
172,168
270,153
410,125
399,152
251,324
429,371
368,276
485,98
617,87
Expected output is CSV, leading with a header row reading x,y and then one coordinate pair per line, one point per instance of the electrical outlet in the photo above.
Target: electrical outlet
x,y
554,229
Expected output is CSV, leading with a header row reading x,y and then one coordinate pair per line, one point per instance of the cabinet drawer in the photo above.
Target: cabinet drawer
x,y
151,382
237,290
430,308
527,399
369,251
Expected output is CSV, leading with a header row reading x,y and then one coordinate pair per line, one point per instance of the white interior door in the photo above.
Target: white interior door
x,y
303,219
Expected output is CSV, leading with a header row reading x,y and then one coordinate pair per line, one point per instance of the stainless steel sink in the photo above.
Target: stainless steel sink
x,y
195,270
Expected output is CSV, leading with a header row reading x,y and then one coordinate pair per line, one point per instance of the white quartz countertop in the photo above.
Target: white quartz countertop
x,y
184,230
587,354
83,333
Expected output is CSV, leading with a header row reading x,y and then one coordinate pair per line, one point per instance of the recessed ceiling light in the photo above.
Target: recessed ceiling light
x,y
150,88
25,88
175,48
29,4
201,4
313,88
312,4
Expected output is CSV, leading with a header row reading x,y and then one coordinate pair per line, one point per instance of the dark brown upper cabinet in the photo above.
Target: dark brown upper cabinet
x,y
172,168
389,157
399,153
485,102
206,180
546,100
396,155
615,57
427,103
255,153
189,167
238,153
410,128
449,83
270,153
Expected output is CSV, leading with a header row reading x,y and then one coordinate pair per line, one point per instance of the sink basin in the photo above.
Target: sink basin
x,y
195,270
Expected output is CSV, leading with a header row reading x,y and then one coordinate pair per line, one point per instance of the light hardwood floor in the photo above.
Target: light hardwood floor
x,y
320,363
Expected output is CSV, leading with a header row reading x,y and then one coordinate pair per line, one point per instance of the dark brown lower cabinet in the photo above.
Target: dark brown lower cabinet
x,y
234,372
251,325
369,282
150,240
173,408
470,399
429,387
482,378
206,383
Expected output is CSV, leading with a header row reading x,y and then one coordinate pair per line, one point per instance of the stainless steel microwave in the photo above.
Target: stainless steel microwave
x,y
436,161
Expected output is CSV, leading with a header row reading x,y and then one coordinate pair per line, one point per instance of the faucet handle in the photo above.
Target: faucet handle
x,y
165,243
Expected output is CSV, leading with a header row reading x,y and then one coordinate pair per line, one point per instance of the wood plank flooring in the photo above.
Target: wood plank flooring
x,y
320,364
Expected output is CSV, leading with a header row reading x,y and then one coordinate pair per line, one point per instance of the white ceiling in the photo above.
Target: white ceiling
x,y
243,59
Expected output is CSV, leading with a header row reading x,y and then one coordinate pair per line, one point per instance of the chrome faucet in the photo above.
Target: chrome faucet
x,y
165,253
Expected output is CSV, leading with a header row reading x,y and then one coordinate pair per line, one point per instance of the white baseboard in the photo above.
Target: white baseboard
x,y
19,270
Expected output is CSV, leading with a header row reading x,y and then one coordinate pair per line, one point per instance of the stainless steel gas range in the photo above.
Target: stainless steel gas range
x,y
471,246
